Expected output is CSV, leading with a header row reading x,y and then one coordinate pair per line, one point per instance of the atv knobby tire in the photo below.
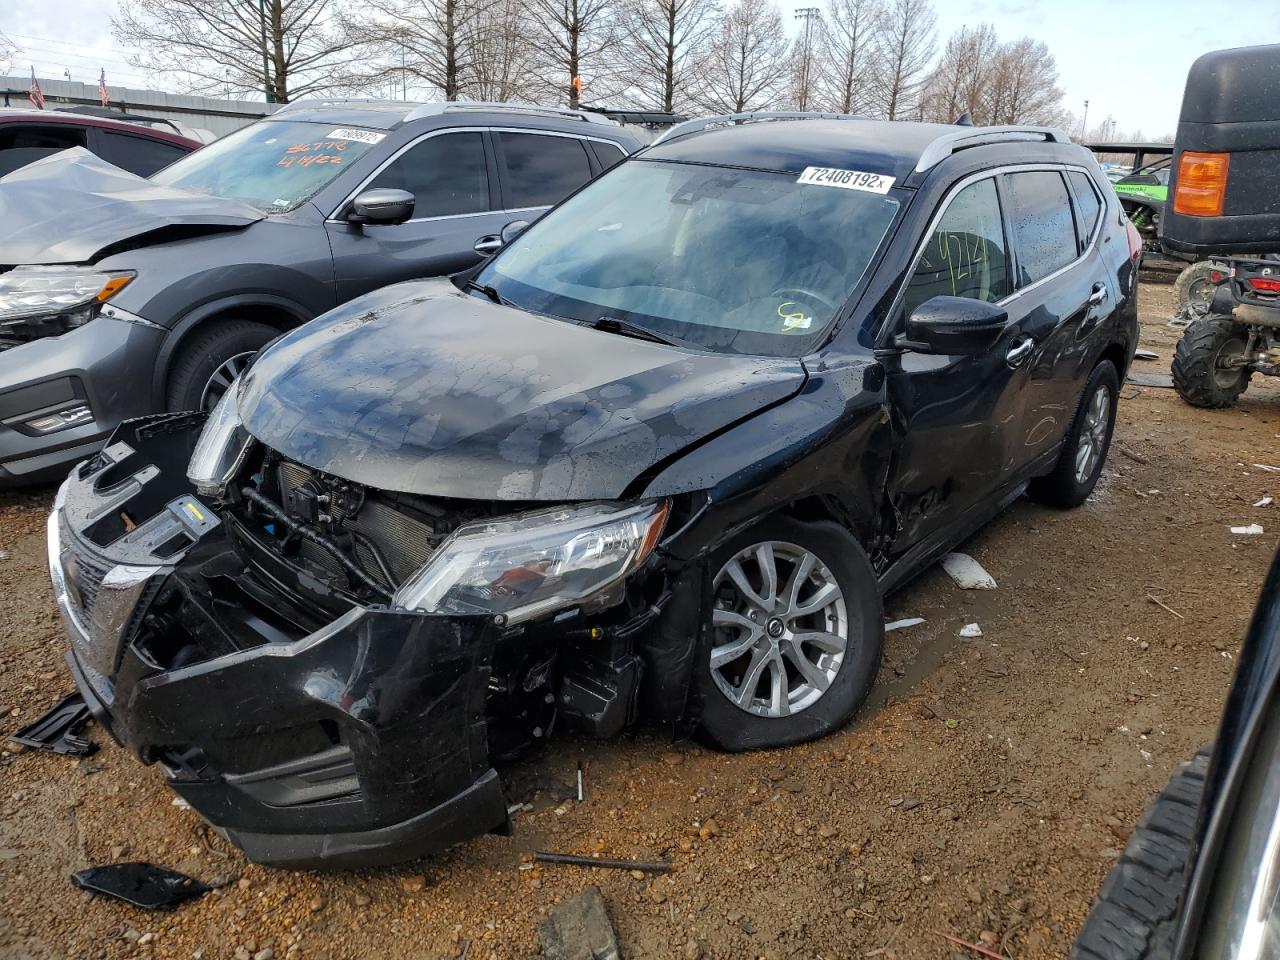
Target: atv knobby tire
x,y
1193,277
1136,913
1196,375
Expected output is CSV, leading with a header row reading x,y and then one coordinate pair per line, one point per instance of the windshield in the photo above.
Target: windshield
x,y
731,260
274,165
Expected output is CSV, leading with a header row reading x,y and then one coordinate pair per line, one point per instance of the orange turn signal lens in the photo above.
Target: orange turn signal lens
x,y
1202,184
114,286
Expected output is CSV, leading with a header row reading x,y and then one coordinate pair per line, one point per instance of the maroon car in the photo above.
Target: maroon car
x,y
141,148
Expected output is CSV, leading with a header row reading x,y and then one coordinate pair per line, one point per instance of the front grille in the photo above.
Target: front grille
x,y
85,570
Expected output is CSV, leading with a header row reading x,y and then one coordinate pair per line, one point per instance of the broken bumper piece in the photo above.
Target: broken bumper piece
x,y
359,743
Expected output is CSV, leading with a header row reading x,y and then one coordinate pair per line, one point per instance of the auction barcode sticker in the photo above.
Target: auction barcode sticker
x,y
360,136
847,179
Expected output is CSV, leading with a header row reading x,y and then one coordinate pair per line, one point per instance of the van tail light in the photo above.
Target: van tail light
x,y
1202,184
1135,239
1265,284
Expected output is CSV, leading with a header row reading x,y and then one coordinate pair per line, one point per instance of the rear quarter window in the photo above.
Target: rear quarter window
x,y
1044,232
1088,205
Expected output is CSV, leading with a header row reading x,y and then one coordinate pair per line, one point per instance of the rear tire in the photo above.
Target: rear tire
x,y
837,560
1135,916
1066,486
1196,375
1194,284
209,357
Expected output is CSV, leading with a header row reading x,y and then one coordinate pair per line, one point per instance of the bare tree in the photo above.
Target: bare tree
x,y
905,48
746,66
660,41
960,81
288,48
504,61
1024,85
848,76
573,37
429,40
7,49
804,75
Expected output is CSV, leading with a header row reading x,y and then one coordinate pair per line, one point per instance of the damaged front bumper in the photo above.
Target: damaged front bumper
x,y
362,742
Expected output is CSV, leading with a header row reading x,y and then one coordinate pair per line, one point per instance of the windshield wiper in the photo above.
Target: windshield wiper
x,y
627,329
487,290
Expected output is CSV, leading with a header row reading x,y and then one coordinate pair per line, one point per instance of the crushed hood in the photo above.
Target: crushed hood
x,y
420,388
72,206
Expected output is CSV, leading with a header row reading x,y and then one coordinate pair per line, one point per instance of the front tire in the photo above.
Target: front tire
x,y
793,645
1136,913
210,359
1197,374
1084,452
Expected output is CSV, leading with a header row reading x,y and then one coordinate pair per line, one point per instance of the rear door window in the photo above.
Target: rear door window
x,y
1044,233
1088,206
22,143
138,155
446,174
965,255
539,170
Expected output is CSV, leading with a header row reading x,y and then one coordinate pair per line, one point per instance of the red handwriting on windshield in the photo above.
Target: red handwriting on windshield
x,y
306,154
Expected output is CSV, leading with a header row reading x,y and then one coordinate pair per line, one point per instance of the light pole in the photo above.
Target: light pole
x,y
808,15
1084,122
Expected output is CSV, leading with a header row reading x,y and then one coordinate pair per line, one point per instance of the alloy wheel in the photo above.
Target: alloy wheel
x,y
223,377
1092,446
781,629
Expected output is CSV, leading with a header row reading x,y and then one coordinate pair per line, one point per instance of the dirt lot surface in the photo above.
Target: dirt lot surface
x,y
983,794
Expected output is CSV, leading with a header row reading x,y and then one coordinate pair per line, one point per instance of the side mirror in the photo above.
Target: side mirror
x,y
382,205
513,230
953,326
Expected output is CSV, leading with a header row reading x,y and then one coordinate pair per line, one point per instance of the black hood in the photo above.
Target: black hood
x,y
73,206
423,389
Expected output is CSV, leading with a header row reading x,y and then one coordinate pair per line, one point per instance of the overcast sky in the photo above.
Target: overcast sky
x,y
1128,58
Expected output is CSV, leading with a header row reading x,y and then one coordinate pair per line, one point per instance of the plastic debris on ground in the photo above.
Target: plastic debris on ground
x,y
141,884
1264,502
1144,354
579,929
903,624
1266,468
967,572
1252,530
56,729
970,630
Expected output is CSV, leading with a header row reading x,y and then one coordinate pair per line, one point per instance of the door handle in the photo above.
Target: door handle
x,y
488,245
1098,294
1019,351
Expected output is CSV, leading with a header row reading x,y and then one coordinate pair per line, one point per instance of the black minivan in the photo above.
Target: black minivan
x,y
657,459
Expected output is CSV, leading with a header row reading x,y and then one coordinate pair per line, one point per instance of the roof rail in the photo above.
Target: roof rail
x,y
457,106
701,123
947,144
321,102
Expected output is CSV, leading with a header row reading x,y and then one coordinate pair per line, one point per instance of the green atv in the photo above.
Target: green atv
x,y
1142,195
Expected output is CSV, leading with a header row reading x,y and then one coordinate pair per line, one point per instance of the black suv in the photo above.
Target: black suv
x,y
659,459
121,296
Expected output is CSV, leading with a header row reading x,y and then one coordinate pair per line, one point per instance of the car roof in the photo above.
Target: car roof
x,y
21,115
392,114
904,150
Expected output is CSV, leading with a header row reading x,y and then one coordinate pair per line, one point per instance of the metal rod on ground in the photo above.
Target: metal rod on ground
x,y
644,866
579,781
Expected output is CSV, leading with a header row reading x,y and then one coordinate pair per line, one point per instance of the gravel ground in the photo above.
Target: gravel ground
x,y
983,793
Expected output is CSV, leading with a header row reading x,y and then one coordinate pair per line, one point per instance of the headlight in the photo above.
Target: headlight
x,y
71,291
535,562
221,448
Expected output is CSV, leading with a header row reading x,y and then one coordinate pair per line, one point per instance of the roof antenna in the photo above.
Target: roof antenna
x,y
964,120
